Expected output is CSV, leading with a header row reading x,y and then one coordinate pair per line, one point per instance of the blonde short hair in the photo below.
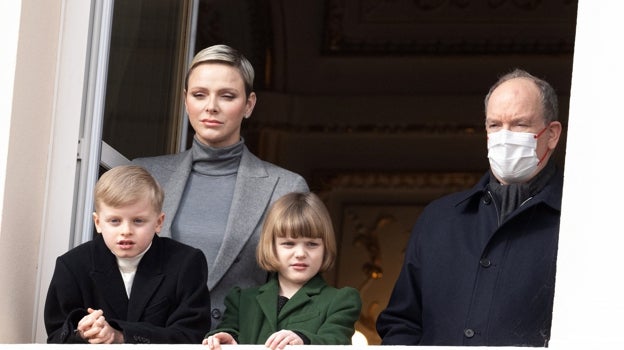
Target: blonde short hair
x,y
126,184
296,215
226,55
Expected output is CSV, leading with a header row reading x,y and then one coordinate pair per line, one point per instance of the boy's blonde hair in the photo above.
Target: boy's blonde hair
x,y
127,184
296,215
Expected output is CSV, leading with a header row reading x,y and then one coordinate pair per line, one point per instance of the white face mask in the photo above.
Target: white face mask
x,y
513,156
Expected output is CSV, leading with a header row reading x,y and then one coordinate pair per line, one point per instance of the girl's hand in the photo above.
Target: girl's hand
x,y
214,341
279,340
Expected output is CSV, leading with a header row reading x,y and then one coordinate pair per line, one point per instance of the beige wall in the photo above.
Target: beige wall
x,y
27,159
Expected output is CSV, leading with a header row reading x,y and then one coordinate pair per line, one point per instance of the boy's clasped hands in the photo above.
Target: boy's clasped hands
x,y
95,329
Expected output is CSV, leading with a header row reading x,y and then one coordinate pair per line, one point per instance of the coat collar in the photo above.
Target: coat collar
x,y
149,275
252,195
174,189
267,298
107,279
550,195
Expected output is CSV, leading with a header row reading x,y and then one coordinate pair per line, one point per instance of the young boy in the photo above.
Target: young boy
x,y
128,285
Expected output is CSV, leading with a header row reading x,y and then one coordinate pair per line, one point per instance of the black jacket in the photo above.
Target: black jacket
x,y
169,301
466,280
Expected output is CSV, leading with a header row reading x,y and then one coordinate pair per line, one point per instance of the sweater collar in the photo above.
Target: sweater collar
x,y
216,161
130,264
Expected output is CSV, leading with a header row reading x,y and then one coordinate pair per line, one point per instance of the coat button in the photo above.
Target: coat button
x,y
487,199
469,333
216,314
485,262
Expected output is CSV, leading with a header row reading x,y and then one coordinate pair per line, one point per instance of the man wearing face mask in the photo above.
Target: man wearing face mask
x,y
479,267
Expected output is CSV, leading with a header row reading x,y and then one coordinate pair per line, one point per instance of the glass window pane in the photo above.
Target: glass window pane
x,y
149,44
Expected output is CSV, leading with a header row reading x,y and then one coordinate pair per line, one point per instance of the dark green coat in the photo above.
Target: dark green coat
x,y
324,314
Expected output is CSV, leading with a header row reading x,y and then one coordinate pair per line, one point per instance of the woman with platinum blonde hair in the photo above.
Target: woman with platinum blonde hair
x,y
217,192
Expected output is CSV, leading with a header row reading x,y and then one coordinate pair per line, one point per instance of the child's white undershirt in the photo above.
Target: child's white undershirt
x,y
128,268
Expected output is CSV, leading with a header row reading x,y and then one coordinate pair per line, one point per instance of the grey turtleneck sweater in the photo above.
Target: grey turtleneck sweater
x,y
205,205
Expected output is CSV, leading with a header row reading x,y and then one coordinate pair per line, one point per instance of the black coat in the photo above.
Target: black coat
x,y
466,280
169,301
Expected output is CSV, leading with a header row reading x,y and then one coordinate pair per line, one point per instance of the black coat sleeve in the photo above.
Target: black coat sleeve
x,y
63,307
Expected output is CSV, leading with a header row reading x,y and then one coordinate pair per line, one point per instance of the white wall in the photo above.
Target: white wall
x,y
589,300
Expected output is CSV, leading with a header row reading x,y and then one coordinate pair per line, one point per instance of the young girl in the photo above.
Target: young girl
x,y
296,306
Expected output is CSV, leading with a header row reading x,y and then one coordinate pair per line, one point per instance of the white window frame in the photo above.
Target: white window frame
x,y
75,149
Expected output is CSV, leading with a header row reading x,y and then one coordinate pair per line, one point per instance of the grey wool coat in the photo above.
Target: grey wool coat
x,y
258,184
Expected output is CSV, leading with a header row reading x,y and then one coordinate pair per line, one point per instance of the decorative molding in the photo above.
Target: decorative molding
x,y
255,125
417,181
449,26
373,213
243,24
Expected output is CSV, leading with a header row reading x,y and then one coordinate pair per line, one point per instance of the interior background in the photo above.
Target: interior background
x,y
378,104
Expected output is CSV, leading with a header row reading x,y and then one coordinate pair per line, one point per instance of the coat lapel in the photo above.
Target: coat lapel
x,y
252,194
267,299
107,279
302,297
174,188
148,277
